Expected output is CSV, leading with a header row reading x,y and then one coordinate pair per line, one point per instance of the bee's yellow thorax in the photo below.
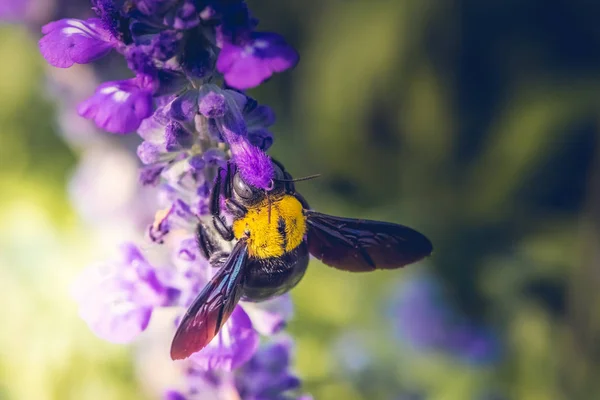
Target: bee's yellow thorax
x,y
274,236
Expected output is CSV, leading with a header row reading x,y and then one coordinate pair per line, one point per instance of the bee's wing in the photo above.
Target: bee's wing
x,y
213,306
360,245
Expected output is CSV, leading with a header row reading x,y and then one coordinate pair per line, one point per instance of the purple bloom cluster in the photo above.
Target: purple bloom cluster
x,y
175,49
265,376
117,299
190,61
426,322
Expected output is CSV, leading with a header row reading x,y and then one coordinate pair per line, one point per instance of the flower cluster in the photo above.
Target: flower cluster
x,y
426,322
265,376
175,49
191,60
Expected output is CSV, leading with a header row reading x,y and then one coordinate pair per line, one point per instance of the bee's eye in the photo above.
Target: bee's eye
x,y
241,188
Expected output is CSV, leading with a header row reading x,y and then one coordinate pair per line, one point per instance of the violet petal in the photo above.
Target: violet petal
x,y
118,107
70,41
269,317
248,65
116,299
235,344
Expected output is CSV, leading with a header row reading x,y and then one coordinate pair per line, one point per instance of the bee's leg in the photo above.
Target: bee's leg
x,y
228,184
215,195
207,243
215,206
209,246
235,208
225,231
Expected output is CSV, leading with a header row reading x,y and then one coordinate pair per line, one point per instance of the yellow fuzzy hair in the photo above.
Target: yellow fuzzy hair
x,y
263,236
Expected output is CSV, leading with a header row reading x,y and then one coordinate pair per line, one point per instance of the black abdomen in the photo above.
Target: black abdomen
x,y
270,277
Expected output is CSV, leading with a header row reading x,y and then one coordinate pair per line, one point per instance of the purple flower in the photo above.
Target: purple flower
x,y
150,176
104,190
426,322
112,15
173,395
178,215
152,129
223,106
251,62
182,16
258,119
164,45
177,137
184,107
266,376
271,316
190,127
213,105
421,313
140,63
73,41
117,299
475,345
153,7
235,20
257,116
193,271
235,344
148,153
119,106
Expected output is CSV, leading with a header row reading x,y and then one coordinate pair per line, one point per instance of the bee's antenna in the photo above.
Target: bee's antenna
x,y
306,178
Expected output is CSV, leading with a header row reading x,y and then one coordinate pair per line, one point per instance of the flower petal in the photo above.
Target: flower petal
x,y
184,16
70,41
116,299
148,153
235,344
174,395
118,107
270,317
249,64
184,107
267,375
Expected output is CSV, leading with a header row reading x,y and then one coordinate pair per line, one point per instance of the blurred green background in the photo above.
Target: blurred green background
x,y
476,122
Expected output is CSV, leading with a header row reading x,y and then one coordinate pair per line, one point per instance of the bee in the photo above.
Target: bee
x,y
276,231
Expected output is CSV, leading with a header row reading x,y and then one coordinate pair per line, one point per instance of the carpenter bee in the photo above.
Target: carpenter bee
x,y
276,231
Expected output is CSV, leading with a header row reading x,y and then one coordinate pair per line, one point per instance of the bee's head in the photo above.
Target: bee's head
x,y
250,195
